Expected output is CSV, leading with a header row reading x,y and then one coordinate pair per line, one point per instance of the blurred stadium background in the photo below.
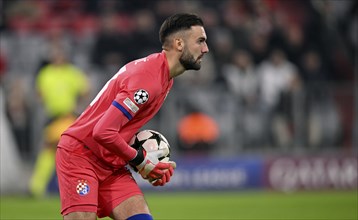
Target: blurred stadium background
x,y
267,129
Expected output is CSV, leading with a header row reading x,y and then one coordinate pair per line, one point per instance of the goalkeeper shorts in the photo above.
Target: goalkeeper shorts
x,y
86,185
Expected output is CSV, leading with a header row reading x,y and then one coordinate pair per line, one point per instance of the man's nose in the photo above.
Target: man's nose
x,y
205,49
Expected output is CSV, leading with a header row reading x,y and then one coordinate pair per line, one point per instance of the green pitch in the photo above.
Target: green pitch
x,y
254,205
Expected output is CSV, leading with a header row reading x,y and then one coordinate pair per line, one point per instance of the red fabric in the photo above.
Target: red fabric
x,y
105,128
105,188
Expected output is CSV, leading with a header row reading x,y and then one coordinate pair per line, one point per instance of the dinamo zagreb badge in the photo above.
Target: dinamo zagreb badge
x,y
82,187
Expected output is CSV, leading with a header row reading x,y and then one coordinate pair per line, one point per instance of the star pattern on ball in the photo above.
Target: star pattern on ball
x,y
149,140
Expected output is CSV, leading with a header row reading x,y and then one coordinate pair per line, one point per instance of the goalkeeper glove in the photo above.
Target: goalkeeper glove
x,y
149,167
165,178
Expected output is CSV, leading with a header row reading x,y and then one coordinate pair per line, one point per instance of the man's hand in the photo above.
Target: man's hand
x,y
149,167
165,178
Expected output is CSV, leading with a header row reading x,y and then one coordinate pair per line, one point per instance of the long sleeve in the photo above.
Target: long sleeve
x,y
106,133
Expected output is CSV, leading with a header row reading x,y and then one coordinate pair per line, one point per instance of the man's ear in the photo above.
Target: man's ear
x,y
179,44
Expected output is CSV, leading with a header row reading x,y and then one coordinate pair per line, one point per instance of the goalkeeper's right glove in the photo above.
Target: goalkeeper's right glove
x,y
148,165
165,178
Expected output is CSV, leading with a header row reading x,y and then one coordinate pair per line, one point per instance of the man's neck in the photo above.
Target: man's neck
x,y
175,67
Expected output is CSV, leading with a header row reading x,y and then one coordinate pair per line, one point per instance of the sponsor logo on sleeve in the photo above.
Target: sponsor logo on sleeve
x,y
133,107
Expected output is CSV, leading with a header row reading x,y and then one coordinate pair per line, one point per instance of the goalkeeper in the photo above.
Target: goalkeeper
x,y
93,152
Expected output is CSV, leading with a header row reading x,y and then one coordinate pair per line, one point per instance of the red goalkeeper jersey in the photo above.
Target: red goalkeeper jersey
x,y
125,103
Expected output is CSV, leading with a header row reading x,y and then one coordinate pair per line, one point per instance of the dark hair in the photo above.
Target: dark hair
x,y
178,22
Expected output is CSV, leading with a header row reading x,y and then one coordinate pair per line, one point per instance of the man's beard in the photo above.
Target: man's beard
x,y
188,61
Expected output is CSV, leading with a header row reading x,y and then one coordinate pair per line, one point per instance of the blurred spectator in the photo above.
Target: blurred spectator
x,y
322,123
241,77
294,43
19,115
60,85
223,45
242,80
279,81
259,47
259,30
165,8
333,38
111,48
197,132
142,37
237,18
11,169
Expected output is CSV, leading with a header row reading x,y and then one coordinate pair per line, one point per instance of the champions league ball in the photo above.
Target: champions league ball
x,y
151,141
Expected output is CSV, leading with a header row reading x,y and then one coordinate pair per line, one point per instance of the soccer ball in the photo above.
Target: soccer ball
x,y
151,141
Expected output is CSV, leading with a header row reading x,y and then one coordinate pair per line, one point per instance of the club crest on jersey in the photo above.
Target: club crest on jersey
x,y
82,187
141,96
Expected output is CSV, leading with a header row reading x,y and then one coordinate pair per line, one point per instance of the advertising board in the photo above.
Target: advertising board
x,y
310,173
214,174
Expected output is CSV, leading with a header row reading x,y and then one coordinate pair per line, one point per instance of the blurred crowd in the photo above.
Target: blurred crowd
x,y
279,75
